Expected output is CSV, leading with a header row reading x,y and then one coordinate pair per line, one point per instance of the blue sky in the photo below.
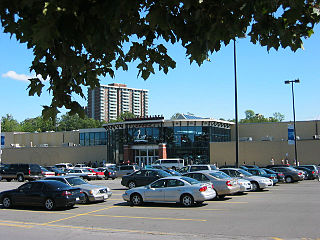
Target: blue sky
x,y
206,91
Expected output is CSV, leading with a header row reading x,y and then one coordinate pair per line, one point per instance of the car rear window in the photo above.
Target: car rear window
x,y
190,180
220,175
56,185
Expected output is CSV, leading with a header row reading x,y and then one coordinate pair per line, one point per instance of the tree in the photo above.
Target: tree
x,y
252,117
9,124
123,116
76,43
73,122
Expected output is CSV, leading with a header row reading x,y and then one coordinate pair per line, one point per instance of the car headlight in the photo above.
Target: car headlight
x,y
93,192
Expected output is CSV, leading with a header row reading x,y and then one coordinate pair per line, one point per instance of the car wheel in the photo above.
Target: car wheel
x,y
113,178
255,186
136,199
8,179
288,179
6,202
20,178
131,184
187,200
49,204
86,199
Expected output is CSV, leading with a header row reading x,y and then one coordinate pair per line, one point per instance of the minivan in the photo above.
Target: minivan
x,y
173,163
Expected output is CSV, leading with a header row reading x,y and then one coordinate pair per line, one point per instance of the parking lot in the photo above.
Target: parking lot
x,y
285,211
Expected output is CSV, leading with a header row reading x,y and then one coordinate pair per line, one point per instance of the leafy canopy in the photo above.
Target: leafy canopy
x,y
75,42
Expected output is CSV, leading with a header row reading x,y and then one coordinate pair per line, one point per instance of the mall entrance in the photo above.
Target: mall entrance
x,y
145,154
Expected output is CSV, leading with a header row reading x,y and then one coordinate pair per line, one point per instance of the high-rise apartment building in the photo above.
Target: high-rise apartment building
x,y
108,101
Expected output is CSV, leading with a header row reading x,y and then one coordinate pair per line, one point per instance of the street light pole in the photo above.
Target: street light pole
x,y
294,118
236,102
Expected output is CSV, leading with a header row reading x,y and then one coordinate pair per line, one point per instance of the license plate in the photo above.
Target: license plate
x,y
77,199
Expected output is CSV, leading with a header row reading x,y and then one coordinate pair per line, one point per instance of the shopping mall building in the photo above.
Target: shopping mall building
x,y
143,140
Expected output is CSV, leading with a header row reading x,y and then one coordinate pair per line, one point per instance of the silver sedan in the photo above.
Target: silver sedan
x,y
222,183
184,190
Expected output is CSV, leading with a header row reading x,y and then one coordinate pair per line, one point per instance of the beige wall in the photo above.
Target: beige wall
x,y
48,156
260,152
278,131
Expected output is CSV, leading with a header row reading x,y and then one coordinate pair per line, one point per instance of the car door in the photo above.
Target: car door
x,y
156,191
20,197
173,190
140,178
35,196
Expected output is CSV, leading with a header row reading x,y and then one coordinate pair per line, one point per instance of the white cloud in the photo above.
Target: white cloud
x,y
21,77
16,76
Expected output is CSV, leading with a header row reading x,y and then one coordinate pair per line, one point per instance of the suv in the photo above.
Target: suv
x,y
195,168
21,172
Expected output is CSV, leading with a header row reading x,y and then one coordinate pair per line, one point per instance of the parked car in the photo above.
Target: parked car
x,y
64,165
173,163
82,172
92,193
46,173
48,194
290,174
126,169
278,165
233,166
109,172
256,181
143,177
80,165
171,171
308,173
280,175
179,189
21,172
99,175
314,170
57,171
262,173
222,183
195,168
250,166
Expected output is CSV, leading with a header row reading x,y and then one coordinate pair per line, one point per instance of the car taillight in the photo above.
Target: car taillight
x,y
229,183
313,172
30,172
109,173
66,193
281,174
204,188
81,191
212,186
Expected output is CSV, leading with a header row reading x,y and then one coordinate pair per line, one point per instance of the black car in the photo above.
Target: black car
x,y
143,177
314,170
45,193
308,172
280,175
21,172
290,174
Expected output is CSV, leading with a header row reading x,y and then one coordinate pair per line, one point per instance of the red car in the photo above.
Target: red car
x,y
99,175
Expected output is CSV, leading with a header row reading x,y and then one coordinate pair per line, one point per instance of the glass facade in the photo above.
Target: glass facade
x,y
188,142
93,138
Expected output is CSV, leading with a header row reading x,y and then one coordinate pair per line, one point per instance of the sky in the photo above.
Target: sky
x,y
206,91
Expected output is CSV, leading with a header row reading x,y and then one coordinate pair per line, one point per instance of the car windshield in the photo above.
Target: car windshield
x,y
244,172
220,175
75,181
190,180
164,173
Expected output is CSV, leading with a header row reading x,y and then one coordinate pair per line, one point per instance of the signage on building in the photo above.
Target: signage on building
x,y
2,141
140,138
290,134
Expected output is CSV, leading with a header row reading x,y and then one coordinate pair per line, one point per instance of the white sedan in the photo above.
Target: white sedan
x,y
184,190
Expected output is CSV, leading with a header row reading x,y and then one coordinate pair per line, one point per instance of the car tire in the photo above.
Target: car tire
x,y
49,204
255,186
113,178
86,199
131,184
136,199
20,178
6,202
8,179
187,200
288,179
